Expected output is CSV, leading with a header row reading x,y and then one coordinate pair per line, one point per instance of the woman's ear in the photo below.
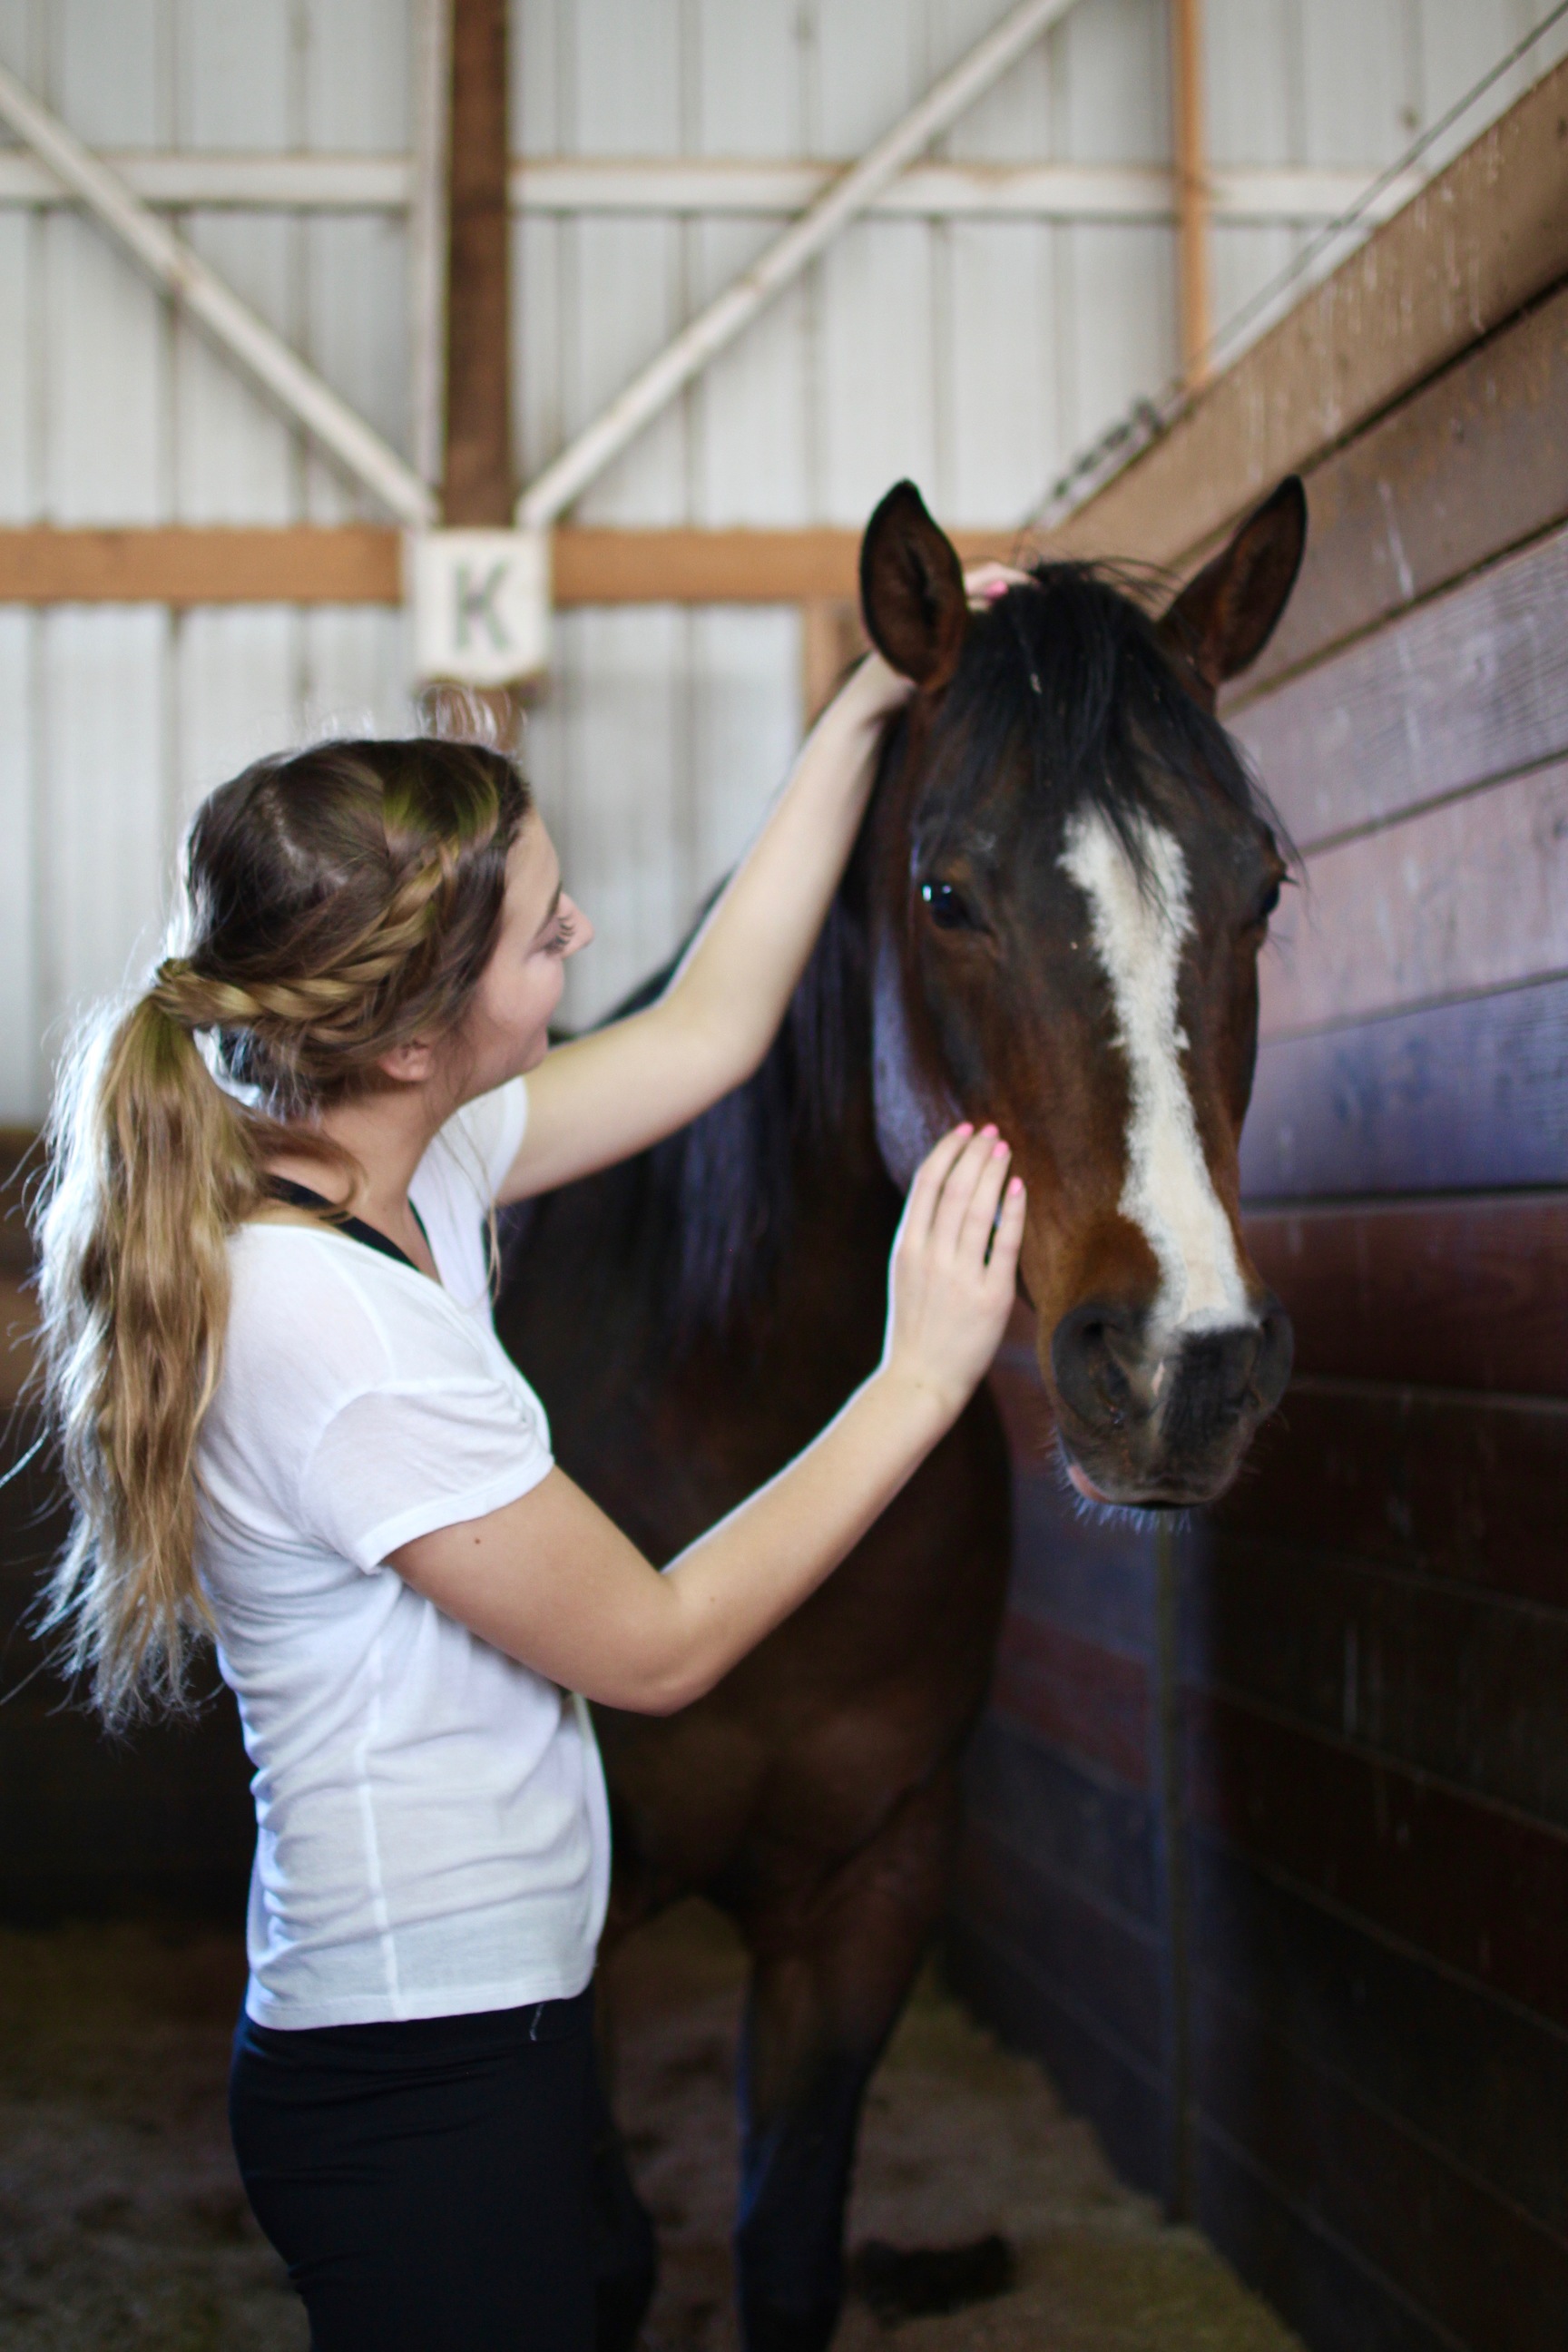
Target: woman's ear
x,y
912,590
408,1065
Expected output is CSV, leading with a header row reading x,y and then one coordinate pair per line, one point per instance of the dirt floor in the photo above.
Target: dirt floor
x,y
123,2229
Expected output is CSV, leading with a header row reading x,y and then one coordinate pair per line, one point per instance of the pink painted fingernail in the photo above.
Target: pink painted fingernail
x,y
995,588
1016,1185
999,1151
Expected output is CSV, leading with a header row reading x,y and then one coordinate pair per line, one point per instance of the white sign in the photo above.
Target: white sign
x,y
481,605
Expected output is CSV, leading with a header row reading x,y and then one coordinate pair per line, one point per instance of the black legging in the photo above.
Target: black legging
x,y
432,2184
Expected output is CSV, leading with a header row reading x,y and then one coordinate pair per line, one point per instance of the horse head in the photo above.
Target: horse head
x,y
1070,880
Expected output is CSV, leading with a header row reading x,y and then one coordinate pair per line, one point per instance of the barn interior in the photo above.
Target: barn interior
x,y
1247,2025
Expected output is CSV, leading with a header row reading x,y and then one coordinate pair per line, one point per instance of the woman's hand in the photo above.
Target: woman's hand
x,y
986,582
954,1266
871,693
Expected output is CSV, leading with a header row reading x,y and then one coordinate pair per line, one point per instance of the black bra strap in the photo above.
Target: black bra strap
x,y
300,1196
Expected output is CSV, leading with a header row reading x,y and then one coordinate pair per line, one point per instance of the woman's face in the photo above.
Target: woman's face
x,y
506,1028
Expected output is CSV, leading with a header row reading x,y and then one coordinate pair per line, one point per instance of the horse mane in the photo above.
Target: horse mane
x,y
1074,667
691,1230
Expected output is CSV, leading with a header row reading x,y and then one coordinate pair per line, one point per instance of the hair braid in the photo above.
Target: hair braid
x,y
338,902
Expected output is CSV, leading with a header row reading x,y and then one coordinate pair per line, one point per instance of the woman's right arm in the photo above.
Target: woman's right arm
x,y
553,1582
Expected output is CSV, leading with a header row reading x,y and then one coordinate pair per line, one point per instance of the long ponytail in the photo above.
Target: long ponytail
x,y
338,902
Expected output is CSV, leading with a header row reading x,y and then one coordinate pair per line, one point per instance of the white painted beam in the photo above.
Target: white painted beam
x,y
714,329
240,334
571,185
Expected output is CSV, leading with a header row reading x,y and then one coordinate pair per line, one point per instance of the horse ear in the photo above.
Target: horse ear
x,y
912,590
1222,620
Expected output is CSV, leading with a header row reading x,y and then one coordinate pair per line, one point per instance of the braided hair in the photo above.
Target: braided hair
x,y
338,902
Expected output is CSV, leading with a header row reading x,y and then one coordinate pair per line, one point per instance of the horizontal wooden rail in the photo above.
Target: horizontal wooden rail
x,y
362,564
566,185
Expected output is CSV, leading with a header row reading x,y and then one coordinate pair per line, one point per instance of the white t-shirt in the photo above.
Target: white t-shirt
x,y
432,1831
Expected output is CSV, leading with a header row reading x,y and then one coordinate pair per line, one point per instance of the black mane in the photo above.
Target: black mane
x,y
693,1230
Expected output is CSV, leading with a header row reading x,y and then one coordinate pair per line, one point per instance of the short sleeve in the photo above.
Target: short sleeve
x,y
400,1459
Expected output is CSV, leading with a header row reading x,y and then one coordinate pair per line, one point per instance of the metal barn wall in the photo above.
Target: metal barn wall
x,y
977,353
1269,1852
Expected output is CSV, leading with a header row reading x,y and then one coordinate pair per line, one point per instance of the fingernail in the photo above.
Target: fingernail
x,y
999,1150
964,1126
1016,1185
995,589
989,1127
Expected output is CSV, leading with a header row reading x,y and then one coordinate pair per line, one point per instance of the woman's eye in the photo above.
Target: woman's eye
x,y
948,910
560,939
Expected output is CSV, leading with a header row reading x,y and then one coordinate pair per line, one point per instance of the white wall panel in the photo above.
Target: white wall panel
x,y
876,384
20,369
237,691
106,821
751,425
106,411
108,69
747,730
235,459
21,1060
353,672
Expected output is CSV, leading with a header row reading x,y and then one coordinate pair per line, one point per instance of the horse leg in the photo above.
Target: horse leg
x,y
828,1983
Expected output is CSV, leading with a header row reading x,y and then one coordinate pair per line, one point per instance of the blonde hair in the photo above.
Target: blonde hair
x,y
338,902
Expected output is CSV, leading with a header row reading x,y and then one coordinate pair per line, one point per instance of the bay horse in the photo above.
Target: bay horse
x,y
1052,919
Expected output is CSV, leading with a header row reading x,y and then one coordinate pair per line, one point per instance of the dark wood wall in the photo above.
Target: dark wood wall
x,y
1293,1924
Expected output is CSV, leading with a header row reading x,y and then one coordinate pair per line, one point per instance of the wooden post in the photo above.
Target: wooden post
x,y
478,488
1192,200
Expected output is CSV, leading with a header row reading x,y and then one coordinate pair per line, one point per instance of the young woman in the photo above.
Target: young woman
x,y
286,1420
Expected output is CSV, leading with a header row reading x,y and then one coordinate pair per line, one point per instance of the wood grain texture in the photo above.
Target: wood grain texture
x,y
1456,2250
1469,686
1468,467
1463,1684
1457,1096
1457,1487
1361,2007
1095,2074
1490,233
1471,1885
1464,1294
1088,1829
1319,2285
1097,1960
1091,1703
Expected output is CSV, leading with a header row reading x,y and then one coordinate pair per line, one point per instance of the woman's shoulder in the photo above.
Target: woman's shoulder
x,y
339,1316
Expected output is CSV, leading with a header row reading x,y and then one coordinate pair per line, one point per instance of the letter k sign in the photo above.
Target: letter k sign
x,y
481,605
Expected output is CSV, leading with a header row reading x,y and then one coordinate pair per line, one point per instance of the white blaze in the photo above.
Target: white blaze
x,y
1169,1195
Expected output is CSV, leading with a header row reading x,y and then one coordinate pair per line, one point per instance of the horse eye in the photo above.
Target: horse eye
x,y
948,910
1267,904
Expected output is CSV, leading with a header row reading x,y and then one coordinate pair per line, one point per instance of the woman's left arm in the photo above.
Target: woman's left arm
x,y
619,1089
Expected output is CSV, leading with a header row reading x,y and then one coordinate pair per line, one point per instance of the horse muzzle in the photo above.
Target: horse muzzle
x,y
1155,1420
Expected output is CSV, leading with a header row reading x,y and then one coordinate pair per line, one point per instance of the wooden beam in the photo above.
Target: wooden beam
x,y
477,489
1483,239
566,185
1189,149
361,564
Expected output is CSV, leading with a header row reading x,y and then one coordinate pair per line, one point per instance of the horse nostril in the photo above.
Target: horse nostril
x,y
1093,1351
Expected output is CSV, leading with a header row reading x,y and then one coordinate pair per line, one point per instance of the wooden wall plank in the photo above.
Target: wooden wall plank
x,y
1489,235
1472,1884
1438,1486
1090,1702
1095,2076
1466,468
1460,2253
1455,1097
1318,2283
1466,1294
1464,1684
1085,1828
1361,2007
1096,1580
1105,1964
1466,687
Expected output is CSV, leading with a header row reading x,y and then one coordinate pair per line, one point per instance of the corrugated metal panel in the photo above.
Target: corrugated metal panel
x,y
977,355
